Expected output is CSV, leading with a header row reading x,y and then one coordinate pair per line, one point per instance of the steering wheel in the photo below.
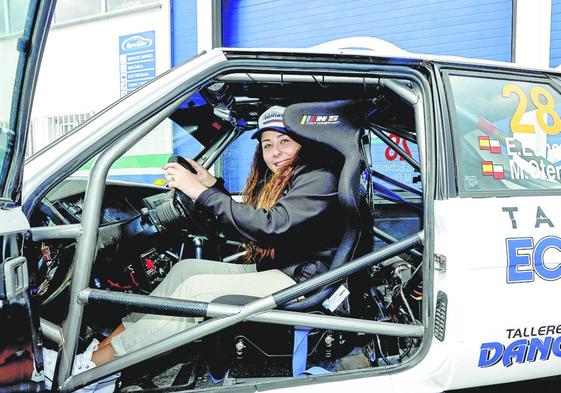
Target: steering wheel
x,y
184,206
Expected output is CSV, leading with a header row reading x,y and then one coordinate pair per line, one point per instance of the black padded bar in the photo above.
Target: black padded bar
x,y
332,276
146,304
388,141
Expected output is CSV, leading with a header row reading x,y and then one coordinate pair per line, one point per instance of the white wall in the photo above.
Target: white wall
x,y
532,33
8,63
80,68
204,25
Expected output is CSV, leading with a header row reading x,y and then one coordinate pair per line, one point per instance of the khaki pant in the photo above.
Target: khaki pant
x,y
198,280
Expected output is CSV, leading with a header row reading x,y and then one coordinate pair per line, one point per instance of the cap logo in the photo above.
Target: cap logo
x,y
268,116
319,119
272,118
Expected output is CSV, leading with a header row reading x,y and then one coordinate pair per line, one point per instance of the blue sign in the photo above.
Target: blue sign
x,y
137,60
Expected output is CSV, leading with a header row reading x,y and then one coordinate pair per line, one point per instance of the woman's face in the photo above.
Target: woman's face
x,y
278,149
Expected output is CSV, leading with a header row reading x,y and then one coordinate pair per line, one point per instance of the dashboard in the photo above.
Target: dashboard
x,y
133,254
139,239
122,202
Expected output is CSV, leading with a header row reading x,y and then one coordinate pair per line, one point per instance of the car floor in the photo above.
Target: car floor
x,y
181,371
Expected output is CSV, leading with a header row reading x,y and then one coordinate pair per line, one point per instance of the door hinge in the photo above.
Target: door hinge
x,y
440,262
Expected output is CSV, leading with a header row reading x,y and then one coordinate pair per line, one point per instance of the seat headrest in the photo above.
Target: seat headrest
x,y
332,123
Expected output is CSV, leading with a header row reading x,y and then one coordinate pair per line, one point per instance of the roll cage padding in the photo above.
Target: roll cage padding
x,y
337,126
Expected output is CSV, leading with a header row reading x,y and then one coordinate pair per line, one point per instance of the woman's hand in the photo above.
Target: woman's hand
x,y
203,175
180,178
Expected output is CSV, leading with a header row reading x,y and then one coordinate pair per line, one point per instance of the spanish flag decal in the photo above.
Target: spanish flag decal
x,y
492,145
491,169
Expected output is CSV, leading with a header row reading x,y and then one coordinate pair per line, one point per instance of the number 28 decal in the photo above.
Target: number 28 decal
x,y
544,110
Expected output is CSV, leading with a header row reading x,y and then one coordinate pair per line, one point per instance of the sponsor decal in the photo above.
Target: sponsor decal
x,y
319,119
526,345
523,161
541,217
527,257
525,164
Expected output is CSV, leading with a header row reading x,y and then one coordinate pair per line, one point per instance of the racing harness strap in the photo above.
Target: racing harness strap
x,y
300,354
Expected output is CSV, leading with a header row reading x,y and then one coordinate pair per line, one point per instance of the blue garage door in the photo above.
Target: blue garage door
x,y
471,28
183,46
555,47
183,30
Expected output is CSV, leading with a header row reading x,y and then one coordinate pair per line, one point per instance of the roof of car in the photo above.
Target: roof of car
x,y
374,47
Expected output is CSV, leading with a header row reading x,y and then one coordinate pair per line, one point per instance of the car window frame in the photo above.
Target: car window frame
x,y
31,45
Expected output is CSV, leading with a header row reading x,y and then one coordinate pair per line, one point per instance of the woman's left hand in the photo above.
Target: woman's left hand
x,y
180,178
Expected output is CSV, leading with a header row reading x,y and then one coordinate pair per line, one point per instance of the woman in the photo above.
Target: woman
x,y
289,198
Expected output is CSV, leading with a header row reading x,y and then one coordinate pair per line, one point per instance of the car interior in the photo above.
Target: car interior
x,y
144,229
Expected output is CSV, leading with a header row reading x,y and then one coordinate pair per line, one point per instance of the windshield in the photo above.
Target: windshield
x,y
144,162
117,46
12,20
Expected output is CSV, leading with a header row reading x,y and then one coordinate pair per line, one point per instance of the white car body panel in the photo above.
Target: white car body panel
x,y
13,221
471,233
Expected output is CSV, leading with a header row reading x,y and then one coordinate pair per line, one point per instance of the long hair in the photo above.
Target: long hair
x,y
262,190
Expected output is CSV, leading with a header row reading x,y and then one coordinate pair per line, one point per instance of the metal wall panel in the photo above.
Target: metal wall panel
x,y
555,46
183,30
471,28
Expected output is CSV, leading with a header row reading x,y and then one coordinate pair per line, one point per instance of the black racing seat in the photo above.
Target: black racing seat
x,y
336,127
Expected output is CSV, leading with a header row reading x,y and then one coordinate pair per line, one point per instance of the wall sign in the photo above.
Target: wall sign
x,y
137,60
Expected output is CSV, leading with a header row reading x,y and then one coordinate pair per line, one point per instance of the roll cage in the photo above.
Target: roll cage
x,y
404,81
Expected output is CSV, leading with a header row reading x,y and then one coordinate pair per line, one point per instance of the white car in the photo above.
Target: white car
x,y
446,278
